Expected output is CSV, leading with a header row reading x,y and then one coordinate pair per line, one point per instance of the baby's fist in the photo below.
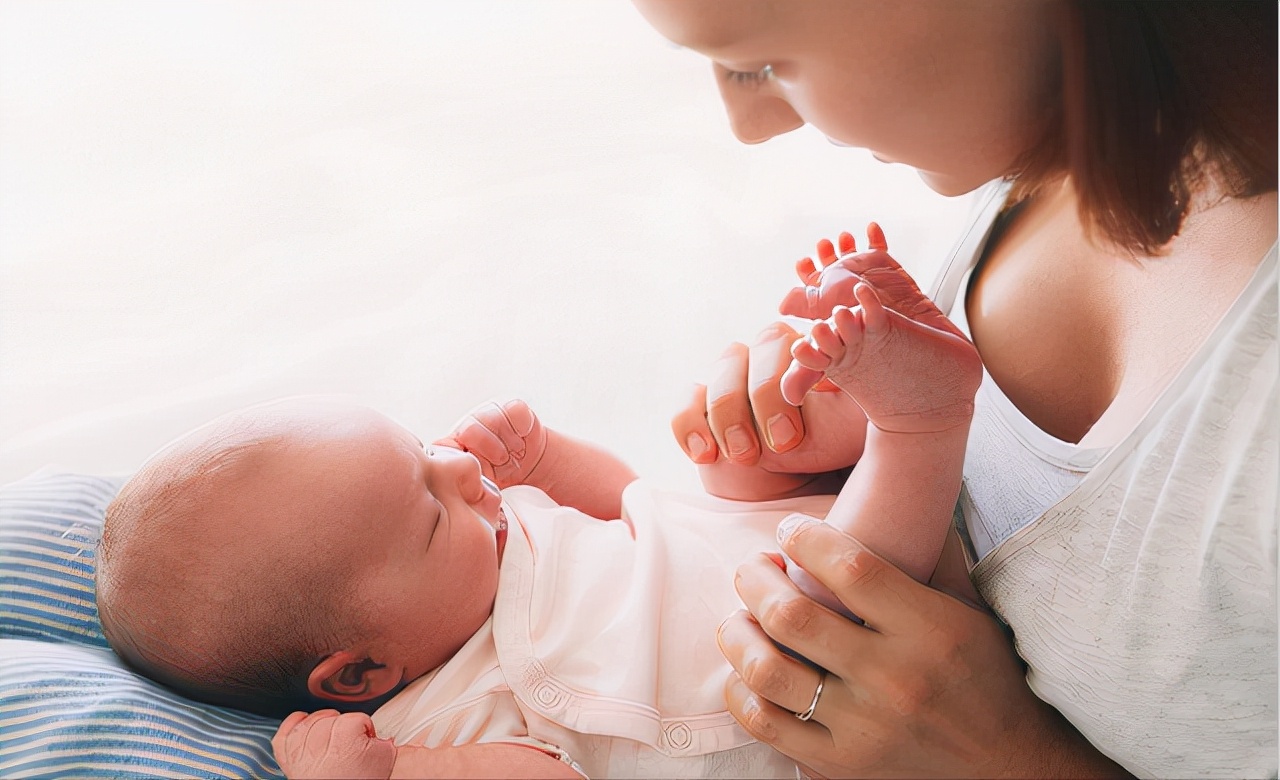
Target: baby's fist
x,y
327,744
508,440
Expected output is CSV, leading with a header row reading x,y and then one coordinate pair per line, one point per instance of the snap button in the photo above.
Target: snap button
x,y
547,695
678,735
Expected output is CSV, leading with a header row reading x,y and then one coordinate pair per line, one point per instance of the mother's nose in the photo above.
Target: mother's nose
x,y
755,117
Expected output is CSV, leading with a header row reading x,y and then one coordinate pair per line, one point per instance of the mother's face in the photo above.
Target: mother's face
x,y
955,88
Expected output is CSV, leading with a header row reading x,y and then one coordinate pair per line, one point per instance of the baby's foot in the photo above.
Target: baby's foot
x,y
908,376
830,282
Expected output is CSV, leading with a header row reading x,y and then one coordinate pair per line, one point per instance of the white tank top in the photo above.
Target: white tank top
x,y
1144,601
1013,470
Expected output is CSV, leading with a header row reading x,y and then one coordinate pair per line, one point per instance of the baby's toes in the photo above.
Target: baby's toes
x,y
847,244
876,239
848,324
874,317
824,337
797,381
826,252
808,354
807,271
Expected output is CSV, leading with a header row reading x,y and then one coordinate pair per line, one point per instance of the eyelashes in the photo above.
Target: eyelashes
x,y
440,519
749,78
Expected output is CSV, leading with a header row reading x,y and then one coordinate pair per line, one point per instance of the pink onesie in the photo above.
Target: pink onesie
x,y
601,649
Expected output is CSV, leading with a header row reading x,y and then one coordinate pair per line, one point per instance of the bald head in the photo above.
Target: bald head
x,y
220,561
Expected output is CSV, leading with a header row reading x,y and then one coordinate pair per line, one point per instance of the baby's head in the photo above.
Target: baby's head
x,y
299,554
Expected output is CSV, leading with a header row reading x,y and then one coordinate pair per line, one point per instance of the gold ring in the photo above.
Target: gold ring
x,y
813,705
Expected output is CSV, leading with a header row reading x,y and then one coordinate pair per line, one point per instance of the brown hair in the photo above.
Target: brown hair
x,y
1159,98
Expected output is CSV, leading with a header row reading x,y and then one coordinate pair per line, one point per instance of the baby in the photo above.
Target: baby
x,y
507,601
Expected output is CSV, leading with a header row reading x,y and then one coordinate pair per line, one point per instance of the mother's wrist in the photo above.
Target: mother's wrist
x,y
1050,747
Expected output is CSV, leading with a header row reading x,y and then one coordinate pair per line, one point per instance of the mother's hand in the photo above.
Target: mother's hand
x,y
933,689
740,416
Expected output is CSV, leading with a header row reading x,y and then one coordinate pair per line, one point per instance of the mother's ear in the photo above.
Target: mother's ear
x,y
345,676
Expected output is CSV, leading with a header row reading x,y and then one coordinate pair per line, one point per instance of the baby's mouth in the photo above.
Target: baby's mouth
x,y
499,520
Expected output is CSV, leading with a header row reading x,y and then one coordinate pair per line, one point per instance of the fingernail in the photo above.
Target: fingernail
x,y
697,445
780,431
738,441
847,243
778,560
789,525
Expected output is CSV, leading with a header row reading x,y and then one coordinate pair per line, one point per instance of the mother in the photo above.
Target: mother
x,y
1119,503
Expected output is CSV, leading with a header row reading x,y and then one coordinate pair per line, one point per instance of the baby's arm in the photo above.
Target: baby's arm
x,y
326,744
488,760
582,475
515,448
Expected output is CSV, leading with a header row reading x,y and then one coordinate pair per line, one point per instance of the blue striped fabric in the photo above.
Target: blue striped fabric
x,y
74,711
48,527
68,707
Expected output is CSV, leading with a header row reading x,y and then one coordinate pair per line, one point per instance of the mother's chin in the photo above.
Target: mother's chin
x,y
949,185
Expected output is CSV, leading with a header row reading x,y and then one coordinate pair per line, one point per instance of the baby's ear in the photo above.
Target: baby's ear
x,y
347,677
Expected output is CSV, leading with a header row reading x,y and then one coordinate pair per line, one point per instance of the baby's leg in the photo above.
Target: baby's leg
x,y
916,384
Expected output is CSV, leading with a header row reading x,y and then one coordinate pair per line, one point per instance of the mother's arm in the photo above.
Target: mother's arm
x,y
934,689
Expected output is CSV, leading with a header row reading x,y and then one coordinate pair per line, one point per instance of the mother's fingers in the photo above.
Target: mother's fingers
x,y
792,619
774,725
691,430
762,666
729,407
768,357
883,595
769,672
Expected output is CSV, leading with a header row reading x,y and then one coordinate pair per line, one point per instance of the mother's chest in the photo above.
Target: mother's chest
x,y
1043,316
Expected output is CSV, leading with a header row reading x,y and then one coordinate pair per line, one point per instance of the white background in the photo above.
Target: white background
x,y
423,205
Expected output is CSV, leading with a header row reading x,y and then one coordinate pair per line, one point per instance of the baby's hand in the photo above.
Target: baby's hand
x,y
508,440
328,744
